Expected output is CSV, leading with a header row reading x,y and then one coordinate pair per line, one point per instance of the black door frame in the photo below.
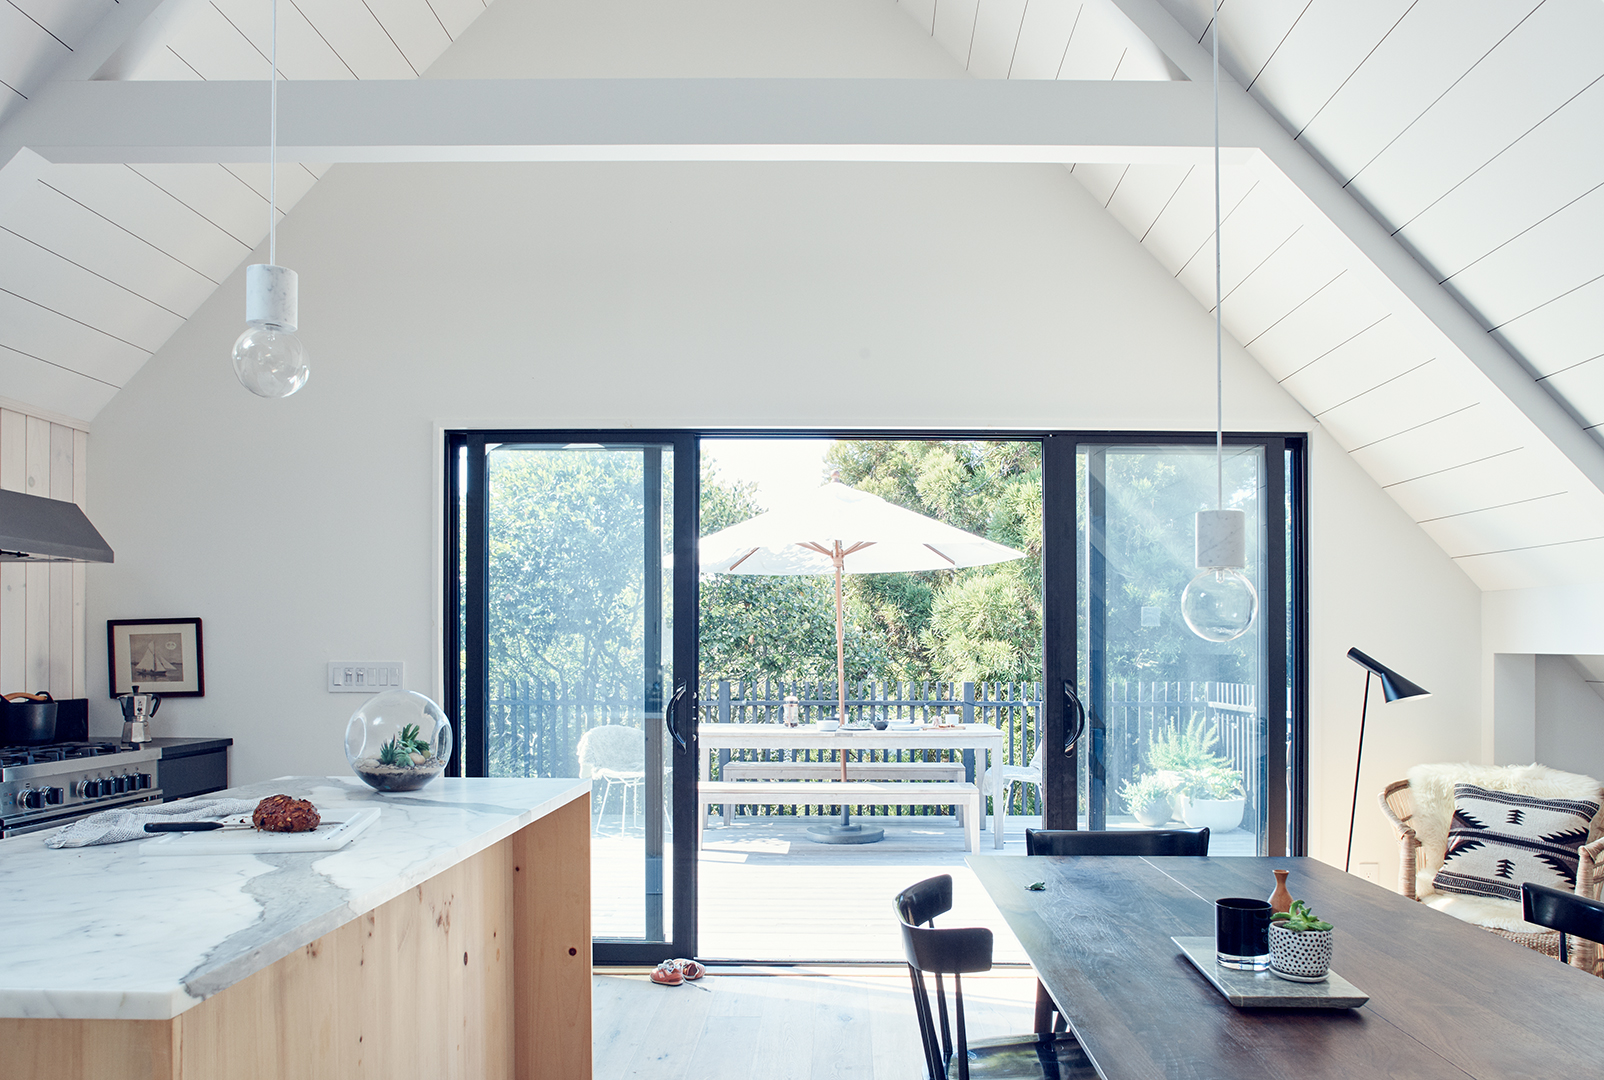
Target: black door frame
x,y
467,634
466,628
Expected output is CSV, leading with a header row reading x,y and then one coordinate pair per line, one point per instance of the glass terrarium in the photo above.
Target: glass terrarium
x,y
398,741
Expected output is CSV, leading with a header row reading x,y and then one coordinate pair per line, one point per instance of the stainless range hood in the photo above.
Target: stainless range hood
x,y
35,529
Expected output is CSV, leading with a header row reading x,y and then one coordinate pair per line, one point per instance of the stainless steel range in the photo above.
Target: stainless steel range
x,y
45,786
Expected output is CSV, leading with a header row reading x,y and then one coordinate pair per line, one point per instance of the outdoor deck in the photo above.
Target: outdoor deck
x,y
768,893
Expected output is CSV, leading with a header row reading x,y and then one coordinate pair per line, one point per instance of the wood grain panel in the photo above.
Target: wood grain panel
x,y
60,643
36,600
80,571
551,897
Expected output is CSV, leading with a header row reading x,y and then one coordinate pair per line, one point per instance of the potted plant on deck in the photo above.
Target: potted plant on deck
x,y
1150,799
1208,792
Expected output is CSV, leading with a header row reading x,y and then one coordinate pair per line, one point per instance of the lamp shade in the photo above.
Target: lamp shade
x,y
1393,685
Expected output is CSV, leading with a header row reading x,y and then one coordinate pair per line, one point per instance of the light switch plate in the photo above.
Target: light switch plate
x,y
365,676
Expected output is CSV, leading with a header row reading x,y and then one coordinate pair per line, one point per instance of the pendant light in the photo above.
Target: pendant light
x,y
268,358
1221,603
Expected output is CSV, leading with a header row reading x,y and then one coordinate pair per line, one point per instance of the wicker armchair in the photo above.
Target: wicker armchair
x,y
1399,806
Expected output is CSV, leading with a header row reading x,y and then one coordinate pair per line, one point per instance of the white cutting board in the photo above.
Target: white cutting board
x,y
338,829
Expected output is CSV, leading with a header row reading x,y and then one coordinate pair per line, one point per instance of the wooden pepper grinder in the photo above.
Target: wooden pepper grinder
x,y
1280,900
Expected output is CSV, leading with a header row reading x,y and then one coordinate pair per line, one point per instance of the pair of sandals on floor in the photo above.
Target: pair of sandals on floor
x,y
675,972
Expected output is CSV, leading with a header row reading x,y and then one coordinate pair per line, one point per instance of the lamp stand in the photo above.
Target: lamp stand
x,y
1357,762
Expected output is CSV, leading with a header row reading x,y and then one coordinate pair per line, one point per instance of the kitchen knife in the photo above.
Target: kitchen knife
x,y
193,826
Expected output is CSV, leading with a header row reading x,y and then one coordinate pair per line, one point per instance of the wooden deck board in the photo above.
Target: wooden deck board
x,y
770,894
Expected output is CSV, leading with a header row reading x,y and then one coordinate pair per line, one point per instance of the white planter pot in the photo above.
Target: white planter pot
x,y
1154,814
1300,954
1215,815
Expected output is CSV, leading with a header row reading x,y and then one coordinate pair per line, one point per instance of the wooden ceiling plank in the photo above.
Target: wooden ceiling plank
x,y
1434,43
35,331
80,236
955,27
1558,162
1548,260
1560,334
1043,38
45,277
1547,60
1097,47
52,388
997,30
415,29
1330,41
1582,387
207,42
359,39
1145,191
1338,314
302,51
1373,354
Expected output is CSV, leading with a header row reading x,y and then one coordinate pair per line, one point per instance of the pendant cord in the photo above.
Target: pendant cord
x,y
272,146
1219,348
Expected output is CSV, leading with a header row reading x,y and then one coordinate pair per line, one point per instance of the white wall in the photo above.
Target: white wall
x,y
681,295
1570,719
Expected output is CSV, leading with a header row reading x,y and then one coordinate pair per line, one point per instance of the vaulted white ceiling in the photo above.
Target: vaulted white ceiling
x,y
100,264
1469,130
1466,128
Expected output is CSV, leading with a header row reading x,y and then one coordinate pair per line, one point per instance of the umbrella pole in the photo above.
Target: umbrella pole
x,y
843,831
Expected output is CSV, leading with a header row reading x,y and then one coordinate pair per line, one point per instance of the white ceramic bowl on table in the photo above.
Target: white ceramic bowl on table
x,y
829,725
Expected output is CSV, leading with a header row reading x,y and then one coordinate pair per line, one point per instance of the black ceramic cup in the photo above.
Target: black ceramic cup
x,y
1242,933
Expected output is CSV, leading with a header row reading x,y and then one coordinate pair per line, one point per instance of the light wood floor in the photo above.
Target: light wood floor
x,y
767,893
785,1027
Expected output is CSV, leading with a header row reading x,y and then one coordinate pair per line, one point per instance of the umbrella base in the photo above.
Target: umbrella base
x,y
837,833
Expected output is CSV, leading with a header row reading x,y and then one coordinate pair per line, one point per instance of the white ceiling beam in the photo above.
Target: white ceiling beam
x,y
1251,124
883,120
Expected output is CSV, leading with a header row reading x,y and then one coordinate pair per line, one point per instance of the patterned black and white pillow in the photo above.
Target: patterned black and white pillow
x,y
1498,839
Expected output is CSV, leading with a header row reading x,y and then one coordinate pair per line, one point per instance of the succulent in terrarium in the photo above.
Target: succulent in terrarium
x,y
407,748
398,741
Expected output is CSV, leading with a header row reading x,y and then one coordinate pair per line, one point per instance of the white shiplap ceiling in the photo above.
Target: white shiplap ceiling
x,y
100,264
1470,131
1467,129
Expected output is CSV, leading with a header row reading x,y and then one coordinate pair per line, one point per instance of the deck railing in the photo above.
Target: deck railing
x,y
535,726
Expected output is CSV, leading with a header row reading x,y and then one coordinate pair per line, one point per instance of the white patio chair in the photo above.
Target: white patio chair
x,y
1009,775
615,755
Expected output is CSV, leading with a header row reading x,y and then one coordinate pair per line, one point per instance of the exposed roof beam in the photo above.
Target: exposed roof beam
x,y
1251,124
623,120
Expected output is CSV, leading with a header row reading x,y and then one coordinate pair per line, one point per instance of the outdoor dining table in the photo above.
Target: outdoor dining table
x,y
1447,999
984,739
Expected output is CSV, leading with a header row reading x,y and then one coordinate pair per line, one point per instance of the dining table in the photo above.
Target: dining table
x,y
1446,999
985,740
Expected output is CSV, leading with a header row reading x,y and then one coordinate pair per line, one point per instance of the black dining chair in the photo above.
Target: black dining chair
x,y
1117,842
1112,842
1566,912
958,952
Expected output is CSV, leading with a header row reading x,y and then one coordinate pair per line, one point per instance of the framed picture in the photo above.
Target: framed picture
x,y
155,656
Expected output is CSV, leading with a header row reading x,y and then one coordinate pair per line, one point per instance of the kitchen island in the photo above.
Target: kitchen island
x,y
450,939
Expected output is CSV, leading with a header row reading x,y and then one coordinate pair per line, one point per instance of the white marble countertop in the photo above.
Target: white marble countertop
x,y
107,933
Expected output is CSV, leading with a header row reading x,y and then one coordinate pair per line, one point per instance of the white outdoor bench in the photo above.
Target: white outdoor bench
x,y
949,771
839,792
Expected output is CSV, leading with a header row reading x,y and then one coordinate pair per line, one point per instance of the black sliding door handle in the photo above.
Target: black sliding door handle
x,y
1073,710
668,715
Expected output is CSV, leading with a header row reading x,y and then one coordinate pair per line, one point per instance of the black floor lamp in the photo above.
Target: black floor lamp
x,y
1394,686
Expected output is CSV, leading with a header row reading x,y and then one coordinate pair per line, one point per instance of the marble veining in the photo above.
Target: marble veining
x,y
107,933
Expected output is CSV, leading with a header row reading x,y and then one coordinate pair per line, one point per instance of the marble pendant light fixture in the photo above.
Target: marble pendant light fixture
x,y
1221,603
268,358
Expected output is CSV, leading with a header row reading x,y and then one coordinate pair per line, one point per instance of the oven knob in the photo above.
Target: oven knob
x,y
124,783
54,796
94,789
144,780
30,798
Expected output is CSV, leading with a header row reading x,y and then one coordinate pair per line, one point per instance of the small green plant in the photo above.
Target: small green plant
x,y
1213,781
1147,790
1300,918
1186,749
405,749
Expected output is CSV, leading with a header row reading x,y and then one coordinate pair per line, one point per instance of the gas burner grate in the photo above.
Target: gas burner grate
x,y
11,756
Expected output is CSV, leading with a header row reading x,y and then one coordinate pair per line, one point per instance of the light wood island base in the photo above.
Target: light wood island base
x,y
482,971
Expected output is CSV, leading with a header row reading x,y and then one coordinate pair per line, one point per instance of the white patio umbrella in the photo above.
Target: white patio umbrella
x,y
845,531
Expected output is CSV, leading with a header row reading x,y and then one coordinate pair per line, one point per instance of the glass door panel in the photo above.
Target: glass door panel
x,y
579,607
1177,728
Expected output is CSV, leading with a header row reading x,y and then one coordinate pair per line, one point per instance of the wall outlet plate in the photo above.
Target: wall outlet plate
x,y
365,676
1371,872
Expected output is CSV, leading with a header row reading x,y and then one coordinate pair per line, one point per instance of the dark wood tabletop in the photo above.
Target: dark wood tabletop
x,y
1447,999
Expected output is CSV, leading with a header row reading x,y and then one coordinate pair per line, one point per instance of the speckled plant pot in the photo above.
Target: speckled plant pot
x,y
1301,955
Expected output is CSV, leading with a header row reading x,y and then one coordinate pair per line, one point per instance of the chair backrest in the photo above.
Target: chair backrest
x,y
612,747
1562,911
1117,842
952,952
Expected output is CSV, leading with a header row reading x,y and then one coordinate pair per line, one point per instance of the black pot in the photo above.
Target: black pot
x,y
29,722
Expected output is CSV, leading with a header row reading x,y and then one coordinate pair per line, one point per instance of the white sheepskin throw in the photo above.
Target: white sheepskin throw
x,y
1432,788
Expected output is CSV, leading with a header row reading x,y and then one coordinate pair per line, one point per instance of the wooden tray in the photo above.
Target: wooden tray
x,y
336,831
1264,990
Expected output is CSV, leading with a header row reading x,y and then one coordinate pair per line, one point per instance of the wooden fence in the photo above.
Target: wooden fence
x,y
535,726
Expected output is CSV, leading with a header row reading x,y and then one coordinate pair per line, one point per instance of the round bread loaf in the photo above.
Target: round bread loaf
x,y
282,813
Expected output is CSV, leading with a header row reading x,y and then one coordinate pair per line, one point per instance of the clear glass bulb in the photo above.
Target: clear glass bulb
x,y
270,361
1220,604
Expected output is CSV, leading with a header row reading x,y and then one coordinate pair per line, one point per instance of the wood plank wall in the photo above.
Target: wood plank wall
x,y
42,632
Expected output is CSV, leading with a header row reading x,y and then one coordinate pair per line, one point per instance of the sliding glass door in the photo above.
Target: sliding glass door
x,y
571,652
1180,729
